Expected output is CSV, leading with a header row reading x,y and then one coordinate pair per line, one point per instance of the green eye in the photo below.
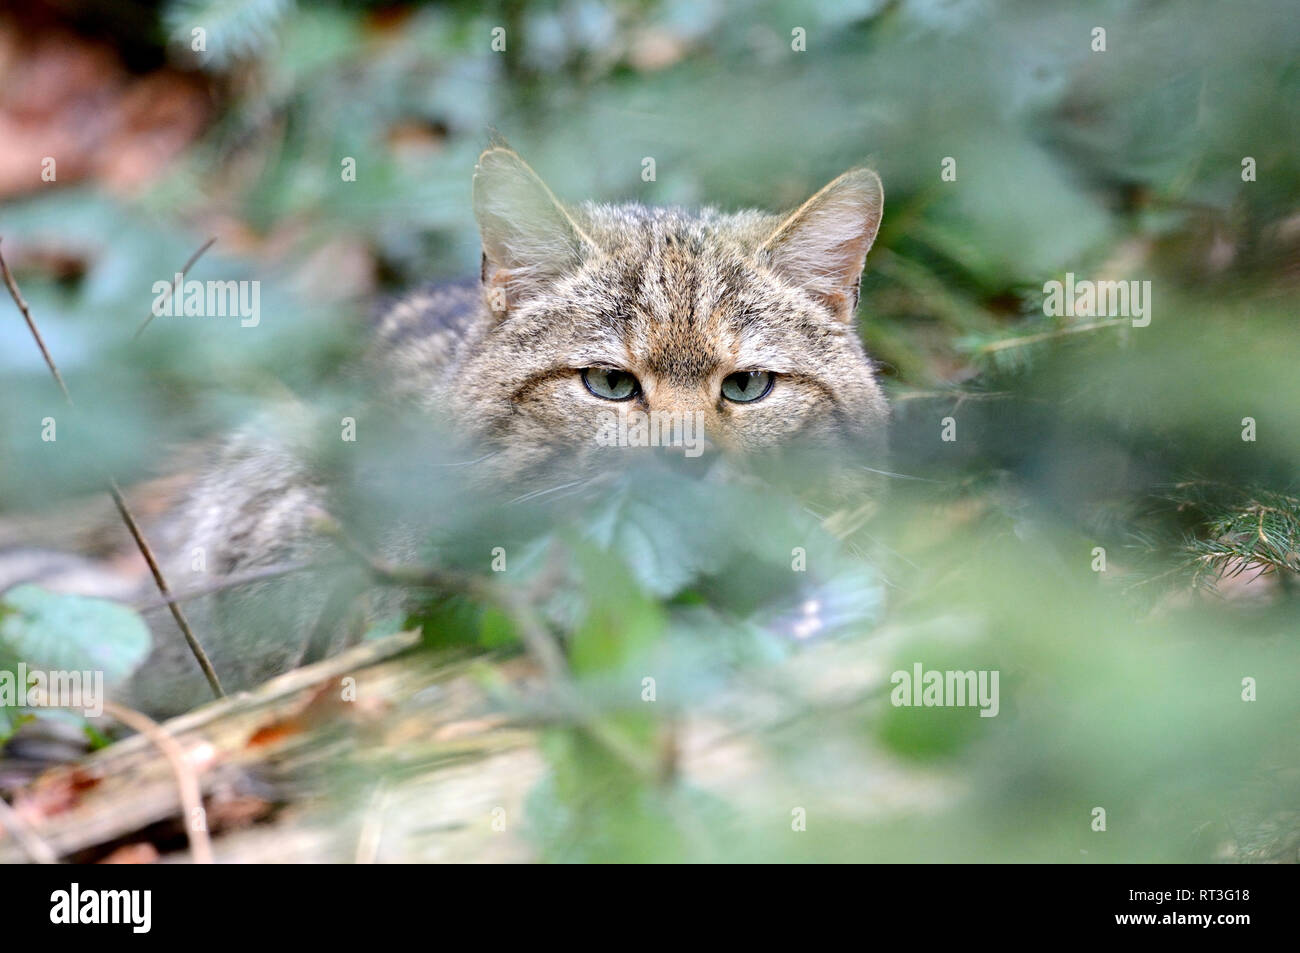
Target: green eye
x,y
610,384
745,387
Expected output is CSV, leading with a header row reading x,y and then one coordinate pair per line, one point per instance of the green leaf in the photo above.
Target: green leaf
x,y
667,531
620,623
55,632
60,632
496,629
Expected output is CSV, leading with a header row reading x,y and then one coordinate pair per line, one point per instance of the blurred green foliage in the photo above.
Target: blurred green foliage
x,y
50,632
1120,688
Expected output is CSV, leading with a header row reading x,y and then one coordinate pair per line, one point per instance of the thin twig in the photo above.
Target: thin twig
x,y
37,849
1048,335
538,642
118,499
961,395
229,582
175,283
193,816
381,570
31,326
161,582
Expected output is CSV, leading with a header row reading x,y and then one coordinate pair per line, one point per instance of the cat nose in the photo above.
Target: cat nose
x,y
693,458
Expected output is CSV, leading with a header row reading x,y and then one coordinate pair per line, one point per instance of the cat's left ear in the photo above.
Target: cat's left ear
x,y
823,245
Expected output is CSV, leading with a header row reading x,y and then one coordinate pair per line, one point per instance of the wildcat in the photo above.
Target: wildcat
x,y
743,319
747,318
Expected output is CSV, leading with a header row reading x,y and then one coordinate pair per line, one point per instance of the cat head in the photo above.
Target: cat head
x,y
735,328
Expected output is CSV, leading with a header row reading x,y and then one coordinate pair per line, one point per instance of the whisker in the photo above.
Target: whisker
x,y
901,476
536,493
893,552
469,463
575,491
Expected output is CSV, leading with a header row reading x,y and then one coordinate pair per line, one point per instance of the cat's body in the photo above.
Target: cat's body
x,y
578,311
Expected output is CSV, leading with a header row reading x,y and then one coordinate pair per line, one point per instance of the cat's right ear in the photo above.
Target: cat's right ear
x,y
529,240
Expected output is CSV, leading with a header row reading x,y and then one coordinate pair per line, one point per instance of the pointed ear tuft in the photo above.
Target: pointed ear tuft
x,y
823,245
529,240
